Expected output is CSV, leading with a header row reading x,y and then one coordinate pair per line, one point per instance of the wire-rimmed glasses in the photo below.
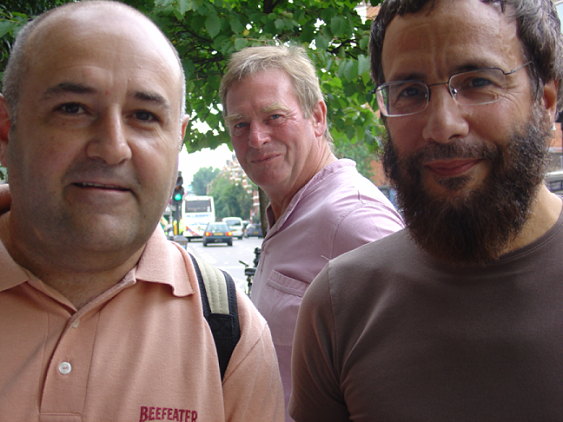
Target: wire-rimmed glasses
x,y
474,87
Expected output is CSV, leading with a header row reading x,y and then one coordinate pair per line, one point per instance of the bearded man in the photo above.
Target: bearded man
x,y
458,317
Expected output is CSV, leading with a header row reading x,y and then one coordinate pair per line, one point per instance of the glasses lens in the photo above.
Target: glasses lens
x,y
402,98
482,86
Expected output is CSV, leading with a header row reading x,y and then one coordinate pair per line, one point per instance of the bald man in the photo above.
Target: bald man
x,y
100,316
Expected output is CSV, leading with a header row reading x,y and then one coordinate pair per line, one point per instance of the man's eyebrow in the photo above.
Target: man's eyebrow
x,y
67,87
275,107
464,67
234,117
78,88
267,109
407,76
152,97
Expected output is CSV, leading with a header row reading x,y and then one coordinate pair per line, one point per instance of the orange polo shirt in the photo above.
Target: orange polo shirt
x,y
142,351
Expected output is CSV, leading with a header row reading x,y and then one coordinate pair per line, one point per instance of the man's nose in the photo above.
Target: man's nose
x,y
444,117
258,135
109,141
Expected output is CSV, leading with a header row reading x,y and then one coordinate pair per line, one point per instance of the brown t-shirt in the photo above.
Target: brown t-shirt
x,y
387,333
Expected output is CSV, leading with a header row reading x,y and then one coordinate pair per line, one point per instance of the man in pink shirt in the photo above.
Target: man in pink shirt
x,y
101,317
320,206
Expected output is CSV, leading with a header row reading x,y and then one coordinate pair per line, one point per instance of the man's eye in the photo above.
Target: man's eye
x,y
277,119
490,79
71,108
476,82
411,91
145,116
240,125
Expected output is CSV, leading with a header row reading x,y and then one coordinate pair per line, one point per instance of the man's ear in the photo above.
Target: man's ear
x,y
550,90
319,118
5,125
184,126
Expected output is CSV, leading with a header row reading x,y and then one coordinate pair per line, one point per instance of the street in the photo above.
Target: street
x,y
227,257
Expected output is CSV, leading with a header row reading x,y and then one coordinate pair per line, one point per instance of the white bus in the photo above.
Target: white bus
x,y
198,212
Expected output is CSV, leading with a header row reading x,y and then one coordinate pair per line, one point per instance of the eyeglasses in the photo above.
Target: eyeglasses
x,y
475,87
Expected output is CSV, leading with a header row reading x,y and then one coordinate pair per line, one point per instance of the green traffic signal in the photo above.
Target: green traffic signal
x,y
177,196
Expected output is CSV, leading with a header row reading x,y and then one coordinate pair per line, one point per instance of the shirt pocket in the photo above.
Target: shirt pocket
x,y
286,294
287,285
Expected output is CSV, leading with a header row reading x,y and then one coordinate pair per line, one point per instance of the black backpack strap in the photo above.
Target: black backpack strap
x,y
219,300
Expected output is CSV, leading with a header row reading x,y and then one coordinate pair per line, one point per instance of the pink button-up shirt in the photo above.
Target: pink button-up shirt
x,y
335,212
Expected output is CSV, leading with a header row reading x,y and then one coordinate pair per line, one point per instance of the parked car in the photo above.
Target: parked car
x,y
235,225
217,233
253,230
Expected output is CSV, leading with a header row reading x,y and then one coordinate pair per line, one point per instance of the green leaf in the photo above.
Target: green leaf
x,y
240,43
212,25
163,3
322,42
279,24
339,26
183,6
348,69
363,64
6,27
364,43
236,26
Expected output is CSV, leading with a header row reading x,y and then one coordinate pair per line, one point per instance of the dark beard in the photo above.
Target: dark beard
x,y
476,228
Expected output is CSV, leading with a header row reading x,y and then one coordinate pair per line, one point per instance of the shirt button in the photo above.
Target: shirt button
x,y
75,323
65,368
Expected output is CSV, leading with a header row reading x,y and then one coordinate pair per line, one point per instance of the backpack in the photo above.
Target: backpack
x,y
219,301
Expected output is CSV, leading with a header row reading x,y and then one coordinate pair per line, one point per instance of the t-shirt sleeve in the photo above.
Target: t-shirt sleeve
x,y
252,386
316,394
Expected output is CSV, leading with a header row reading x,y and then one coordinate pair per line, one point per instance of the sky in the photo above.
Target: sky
x,y
191,163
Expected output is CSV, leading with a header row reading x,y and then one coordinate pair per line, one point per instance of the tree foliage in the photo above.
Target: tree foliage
x,y
231,199
202,178
207,32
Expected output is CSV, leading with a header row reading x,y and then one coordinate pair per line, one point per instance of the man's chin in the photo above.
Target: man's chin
x,y
472,219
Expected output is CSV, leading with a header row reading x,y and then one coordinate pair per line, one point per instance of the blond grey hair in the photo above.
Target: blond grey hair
x,y
292,60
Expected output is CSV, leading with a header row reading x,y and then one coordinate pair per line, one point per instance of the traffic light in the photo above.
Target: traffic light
x,y
178,194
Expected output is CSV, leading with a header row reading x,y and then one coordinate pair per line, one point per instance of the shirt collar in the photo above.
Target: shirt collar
x,y
161,262
167,263
12,274
335,166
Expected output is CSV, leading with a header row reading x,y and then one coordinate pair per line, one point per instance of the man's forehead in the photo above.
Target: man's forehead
x,y
449,36
73,31
119,21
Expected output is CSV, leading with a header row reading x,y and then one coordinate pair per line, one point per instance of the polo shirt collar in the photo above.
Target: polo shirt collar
x,y
11,274
167,263
161,262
